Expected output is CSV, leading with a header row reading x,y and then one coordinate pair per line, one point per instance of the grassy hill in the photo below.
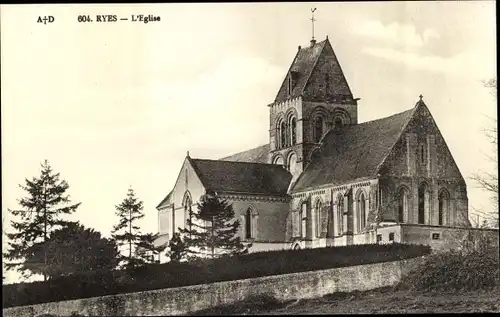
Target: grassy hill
x,y
380,301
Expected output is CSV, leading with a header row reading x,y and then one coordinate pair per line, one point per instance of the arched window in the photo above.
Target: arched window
x,y
361,212
278,160
330,226
318,128
422,203
293,131
303,220
340,215
444,199
338,122
282,134
248,224
291,163
318,218
402,204
422,155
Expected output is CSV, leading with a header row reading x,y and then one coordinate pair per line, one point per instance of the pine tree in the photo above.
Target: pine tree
x,y
212,230
178,249
146,248
40,214
127,232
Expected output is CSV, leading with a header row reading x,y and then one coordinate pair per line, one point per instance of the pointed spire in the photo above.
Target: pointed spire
x,y
313,41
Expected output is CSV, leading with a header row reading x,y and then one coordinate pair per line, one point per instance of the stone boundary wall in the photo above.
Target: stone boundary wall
x,y
182,300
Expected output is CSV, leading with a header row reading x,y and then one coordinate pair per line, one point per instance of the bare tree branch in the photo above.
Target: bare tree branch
x,y
488,181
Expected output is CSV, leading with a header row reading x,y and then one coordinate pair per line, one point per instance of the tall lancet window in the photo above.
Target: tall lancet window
x,y
361,212
340,215
443,207
318,129
303,220
318,218
248,224
293,131
402,204
282,134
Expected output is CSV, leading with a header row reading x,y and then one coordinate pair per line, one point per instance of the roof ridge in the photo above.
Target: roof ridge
x,y
366,122
234,154
236,162
165,199
383,118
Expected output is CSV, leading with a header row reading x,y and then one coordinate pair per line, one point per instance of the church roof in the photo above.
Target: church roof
x,y
165,201
256,155
242,177
303,65
353,152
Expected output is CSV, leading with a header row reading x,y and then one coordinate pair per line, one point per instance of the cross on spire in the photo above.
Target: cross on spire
x,y
420,97
313,20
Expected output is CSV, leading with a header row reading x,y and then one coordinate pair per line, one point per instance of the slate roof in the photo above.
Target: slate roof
x,y
256,155
242,177
353,152
165,201
303,65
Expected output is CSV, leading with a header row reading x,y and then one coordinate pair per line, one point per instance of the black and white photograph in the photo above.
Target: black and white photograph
x,y
274,158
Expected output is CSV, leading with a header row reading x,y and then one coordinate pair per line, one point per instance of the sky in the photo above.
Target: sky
x,y
118,105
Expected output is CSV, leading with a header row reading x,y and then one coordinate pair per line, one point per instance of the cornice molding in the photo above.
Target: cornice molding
x,y
243,197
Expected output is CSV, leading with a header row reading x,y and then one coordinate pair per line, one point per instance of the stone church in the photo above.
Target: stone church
x,y
325,179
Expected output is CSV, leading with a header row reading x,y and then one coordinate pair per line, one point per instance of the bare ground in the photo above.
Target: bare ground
x,y
381,301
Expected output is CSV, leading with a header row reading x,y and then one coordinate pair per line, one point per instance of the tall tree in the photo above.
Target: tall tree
x,y
488,181
212,231
178,249
40,213
146,248
73,249
127,232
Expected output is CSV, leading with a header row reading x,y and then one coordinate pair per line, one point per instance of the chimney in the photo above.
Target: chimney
x,y
313,41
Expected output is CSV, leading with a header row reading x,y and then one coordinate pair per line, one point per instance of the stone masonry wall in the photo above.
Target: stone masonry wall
x,y
177,301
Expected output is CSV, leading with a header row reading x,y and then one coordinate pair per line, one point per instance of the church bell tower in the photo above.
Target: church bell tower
x,y
313,99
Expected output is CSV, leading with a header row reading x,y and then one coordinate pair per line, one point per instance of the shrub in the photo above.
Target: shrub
x,y
466,269
167,275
